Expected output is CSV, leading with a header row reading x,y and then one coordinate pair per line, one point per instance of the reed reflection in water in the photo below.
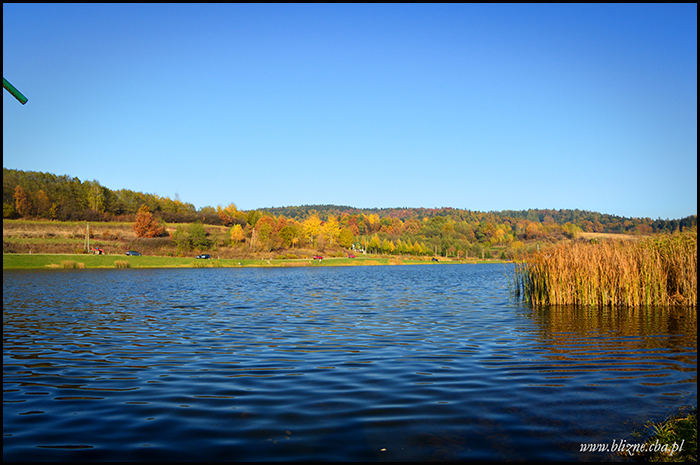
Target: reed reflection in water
x,y
358,363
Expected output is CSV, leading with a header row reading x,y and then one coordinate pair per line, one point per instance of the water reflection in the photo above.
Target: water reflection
x,y
424,362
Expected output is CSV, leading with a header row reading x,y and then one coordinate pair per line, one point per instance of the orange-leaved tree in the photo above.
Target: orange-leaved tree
x,y
24,205
147,225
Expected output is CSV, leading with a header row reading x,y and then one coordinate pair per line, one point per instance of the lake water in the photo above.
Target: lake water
x,y
390,363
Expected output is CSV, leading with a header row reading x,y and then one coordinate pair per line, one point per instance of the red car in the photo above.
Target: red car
x,y
318,257
351,256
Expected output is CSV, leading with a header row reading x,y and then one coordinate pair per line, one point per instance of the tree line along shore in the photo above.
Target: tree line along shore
x,y
171,227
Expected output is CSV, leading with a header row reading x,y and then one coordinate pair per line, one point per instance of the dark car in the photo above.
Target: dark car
x,y
131,252
204,255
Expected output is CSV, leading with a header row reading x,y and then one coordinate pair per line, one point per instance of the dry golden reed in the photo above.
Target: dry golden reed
x,y
662,271
70,264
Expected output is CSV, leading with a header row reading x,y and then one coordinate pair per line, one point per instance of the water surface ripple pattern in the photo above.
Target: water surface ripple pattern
x,y
400,363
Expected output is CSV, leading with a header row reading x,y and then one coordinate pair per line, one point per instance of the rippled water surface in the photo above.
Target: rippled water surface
x,y
395,363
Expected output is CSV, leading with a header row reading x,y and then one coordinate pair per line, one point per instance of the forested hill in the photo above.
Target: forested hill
x,y
586,220
30,194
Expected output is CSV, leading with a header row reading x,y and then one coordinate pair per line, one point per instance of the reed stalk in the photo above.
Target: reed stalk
x,y
655,271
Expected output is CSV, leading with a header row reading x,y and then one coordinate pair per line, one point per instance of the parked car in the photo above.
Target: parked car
x,y
351,255
318,257
131,252
204,255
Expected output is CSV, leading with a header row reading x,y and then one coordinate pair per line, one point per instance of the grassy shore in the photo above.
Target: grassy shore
x,y
672,440
654,271
85,261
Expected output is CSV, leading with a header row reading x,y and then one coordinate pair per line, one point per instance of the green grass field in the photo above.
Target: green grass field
x,y
48,261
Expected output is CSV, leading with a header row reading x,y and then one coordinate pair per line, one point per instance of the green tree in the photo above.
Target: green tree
x,y
182,240
252,217
198,236
95,195
572,231
288,234
8,211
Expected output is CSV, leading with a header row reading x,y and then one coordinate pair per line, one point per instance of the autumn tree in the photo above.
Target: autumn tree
x,y
265,237
373,220
572,231
374,243
412,226
388,246
417,249
43,204
289,235
532,231
499,235
330,230
312,228
227,214
146,225
237,234
345,238
22,202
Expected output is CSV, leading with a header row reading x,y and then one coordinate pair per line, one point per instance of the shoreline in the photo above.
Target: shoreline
x,y
87,261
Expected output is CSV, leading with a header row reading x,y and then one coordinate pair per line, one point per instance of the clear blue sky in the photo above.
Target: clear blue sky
x,y
482,107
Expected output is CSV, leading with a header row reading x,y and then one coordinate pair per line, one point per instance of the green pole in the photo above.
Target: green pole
x,y
15,93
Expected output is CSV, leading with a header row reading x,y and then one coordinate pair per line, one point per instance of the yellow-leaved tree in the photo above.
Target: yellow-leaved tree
x,y
331,230
237,234
312,228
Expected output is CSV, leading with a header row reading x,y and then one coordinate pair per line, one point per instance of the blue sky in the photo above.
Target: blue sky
x,y
482,107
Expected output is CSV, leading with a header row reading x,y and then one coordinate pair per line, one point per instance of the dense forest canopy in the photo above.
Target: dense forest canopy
x,y
37,195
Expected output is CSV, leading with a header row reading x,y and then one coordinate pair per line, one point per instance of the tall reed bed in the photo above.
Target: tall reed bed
x,y
654,271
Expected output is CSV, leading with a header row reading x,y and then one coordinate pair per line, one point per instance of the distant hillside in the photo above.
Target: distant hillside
x,y
447,232
587,220
30,194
